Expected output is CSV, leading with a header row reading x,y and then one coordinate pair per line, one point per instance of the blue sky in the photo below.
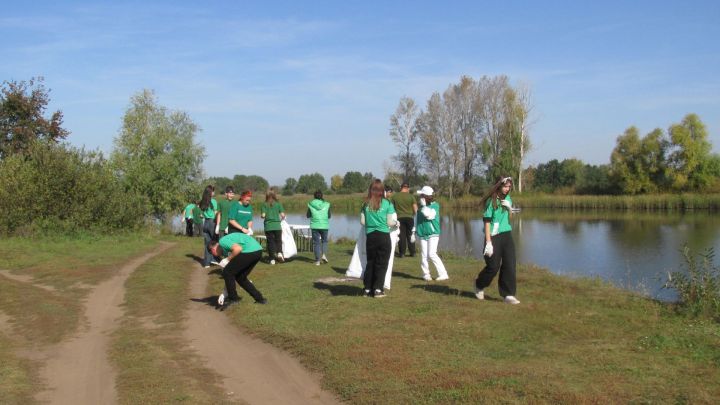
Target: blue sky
x,y
286,88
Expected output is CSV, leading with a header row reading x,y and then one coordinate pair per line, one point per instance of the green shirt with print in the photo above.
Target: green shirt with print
x,y
240,213
272,215
246,242
377,220
209,213
499,217
224,208
189,210
403,203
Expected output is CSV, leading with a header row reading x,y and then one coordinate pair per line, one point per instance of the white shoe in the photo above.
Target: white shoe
x,y
317,263
324,259
221,298
442,278
280,257
427,277
214,262
511,300
272,262
479,294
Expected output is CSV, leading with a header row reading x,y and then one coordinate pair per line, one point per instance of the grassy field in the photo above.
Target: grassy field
x,y
570,341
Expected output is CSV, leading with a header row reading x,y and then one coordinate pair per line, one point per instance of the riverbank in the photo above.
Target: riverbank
x,y
569,341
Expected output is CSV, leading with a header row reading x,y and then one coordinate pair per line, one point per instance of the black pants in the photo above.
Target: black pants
x,y
378,249
209,235
189,226
502,260
274,243
406,226
238,270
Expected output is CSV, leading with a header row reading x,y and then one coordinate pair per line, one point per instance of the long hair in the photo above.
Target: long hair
x,y
495,191
271,197
375,195
206,197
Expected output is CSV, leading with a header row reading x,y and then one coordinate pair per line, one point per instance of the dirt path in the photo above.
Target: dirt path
x,y
26,278
77,370
254,371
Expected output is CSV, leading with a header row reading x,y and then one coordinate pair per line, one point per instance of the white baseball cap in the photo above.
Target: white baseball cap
x,y
426,190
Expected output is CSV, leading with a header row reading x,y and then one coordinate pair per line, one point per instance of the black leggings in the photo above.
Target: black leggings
x,y
406,226
274,243
238,270
502,260
378,249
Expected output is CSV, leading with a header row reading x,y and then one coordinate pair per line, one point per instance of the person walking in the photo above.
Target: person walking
x,y
243,253
377,216
224,210
273,213
208,206
428,231
319,214
241,214
406,209
188,219
499,246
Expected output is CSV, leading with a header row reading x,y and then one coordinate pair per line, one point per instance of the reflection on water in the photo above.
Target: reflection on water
x,y
630,249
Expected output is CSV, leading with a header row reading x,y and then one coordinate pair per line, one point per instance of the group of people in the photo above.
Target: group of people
x,y
382,212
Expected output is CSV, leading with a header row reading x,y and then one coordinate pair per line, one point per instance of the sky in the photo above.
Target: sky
x,y
281,89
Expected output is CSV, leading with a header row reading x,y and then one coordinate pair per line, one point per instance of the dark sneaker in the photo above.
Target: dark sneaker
x,y
379,294
262,301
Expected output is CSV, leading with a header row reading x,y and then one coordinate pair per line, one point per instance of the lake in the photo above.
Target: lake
x,y
631,250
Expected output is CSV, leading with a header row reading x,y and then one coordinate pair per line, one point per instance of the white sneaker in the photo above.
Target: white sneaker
x,y
317,263
511,300
221,298
427,277
479,294
280,257
272,262
324,259
442,278
214,262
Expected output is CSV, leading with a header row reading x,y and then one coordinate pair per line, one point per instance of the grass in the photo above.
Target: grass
x,y
570,341
155,364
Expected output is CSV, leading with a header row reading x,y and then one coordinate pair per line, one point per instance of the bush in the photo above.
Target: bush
x,y
699,286
61,189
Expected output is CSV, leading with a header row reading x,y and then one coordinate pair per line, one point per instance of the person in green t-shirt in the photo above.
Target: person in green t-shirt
x,y
428,231
187,218
273,213
319,213
241,214
242,253
224,211
499,246
377,216
208,207
406,208
197,219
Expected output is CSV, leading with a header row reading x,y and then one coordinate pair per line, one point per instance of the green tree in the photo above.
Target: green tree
x,y
309,183
219,182
336,183
252,182
689,151
156,154
631,163
290,186
22,120
355,182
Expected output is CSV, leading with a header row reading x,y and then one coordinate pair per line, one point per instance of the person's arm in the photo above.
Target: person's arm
x,y
362,218
487,232
308,214
249,227
235,225
329,214
415,208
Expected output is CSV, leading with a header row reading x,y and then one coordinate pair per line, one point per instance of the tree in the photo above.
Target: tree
x,y
631,167
309,183
336,183
355,182
252,183
156,154
689,149
290,186
22,121
404,132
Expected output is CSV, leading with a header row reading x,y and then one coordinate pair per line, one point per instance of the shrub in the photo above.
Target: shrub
x,y
699,286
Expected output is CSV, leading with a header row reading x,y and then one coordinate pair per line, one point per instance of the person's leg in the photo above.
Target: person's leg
x,y
381,261
433,255
324,236
270,235
247,264
492,266
188,227
506,282
424,266
404,231
208,235
317,248
229,273
279,245
371,250
411,245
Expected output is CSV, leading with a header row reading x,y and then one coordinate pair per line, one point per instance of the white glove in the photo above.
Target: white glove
x,y
488,249
412,235
428,212
506,204
226,230
224,262
182,220
217,229
422,202
249,231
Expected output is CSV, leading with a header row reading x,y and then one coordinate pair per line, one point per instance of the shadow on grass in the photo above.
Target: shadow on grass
x,y
339,270
405,275
195,257
305,259
211,301
446,290
340,289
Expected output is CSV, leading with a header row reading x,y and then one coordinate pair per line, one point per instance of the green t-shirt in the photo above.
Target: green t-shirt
x,y
197,214
272,215
224,208
499,217
209,213
403,203
246,242
425,228
377,220
240,213
189,210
